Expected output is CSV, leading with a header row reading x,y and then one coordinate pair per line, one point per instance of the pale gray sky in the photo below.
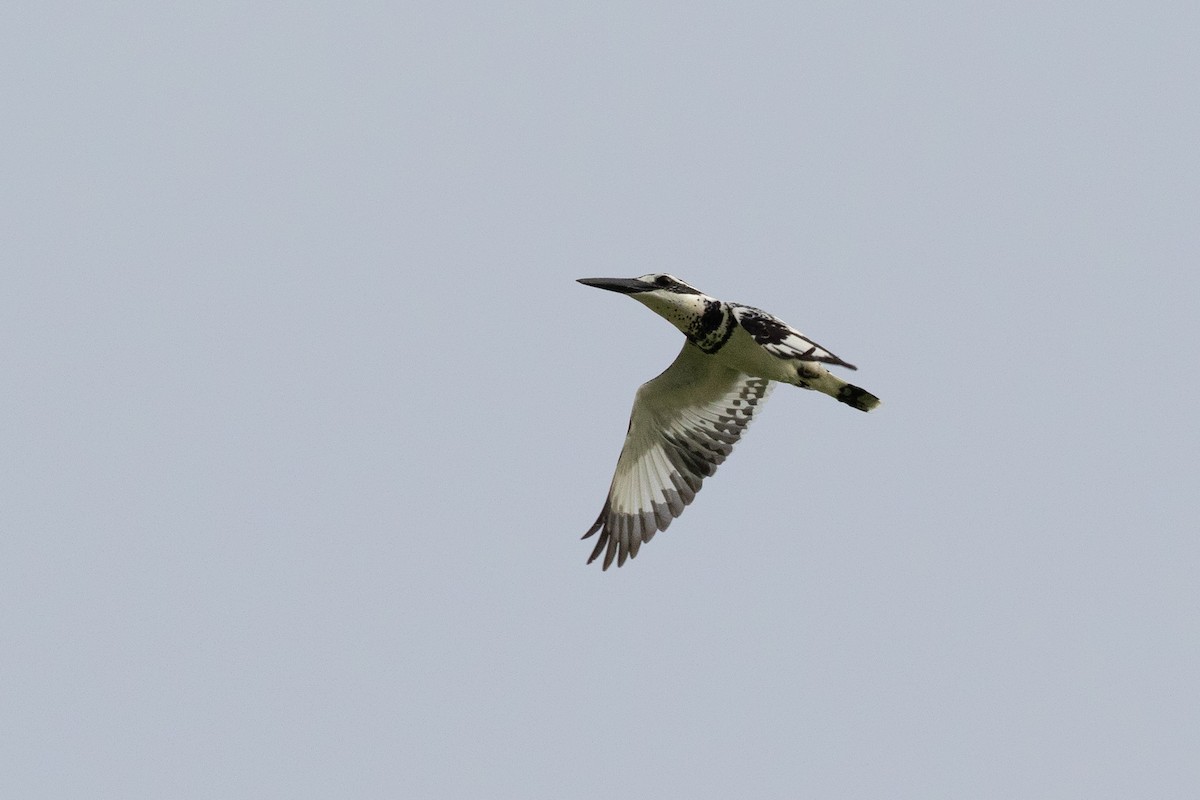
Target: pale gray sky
x,y
304,413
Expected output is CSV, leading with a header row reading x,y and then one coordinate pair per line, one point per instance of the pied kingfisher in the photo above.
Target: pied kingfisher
x,y
686,421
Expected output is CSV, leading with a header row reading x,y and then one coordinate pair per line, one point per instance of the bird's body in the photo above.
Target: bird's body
x,y
686,421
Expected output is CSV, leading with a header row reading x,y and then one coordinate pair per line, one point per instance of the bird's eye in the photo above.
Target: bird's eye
x,y
663,280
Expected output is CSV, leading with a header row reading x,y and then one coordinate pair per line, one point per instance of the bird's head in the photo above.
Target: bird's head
x,y
665,295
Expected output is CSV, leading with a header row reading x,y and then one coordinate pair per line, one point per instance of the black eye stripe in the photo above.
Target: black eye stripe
x,y
666,282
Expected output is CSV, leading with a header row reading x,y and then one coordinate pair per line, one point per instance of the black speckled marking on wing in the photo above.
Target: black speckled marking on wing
x,y
763,327
780,339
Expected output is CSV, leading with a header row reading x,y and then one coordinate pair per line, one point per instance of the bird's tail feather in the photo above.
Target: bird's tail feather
x,y
822,380
856,397
830,384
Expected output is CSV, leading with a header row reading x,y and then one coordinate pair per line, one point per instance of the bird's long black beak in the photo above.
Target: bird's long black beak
x,y
622,285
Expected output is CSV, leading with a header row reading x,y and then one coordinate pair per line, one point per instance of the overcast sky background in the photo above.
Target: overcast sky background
x,y
303,412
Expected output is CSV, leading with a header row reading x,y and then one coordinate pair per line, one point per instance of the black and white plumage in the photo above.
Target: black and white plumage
x,y
686,421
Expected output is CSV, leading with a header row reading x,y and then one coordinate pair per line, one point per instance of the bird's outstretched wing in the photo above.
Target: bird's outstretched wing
x,y
684,423
780,339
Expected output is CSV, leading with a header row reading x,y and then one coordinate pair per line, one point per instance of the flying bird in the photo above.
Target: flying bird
x,y
687,420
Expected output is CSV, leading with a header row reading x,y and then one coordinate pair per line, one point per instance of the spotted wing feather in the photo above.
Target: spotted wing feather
x,y
782,340
684,424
